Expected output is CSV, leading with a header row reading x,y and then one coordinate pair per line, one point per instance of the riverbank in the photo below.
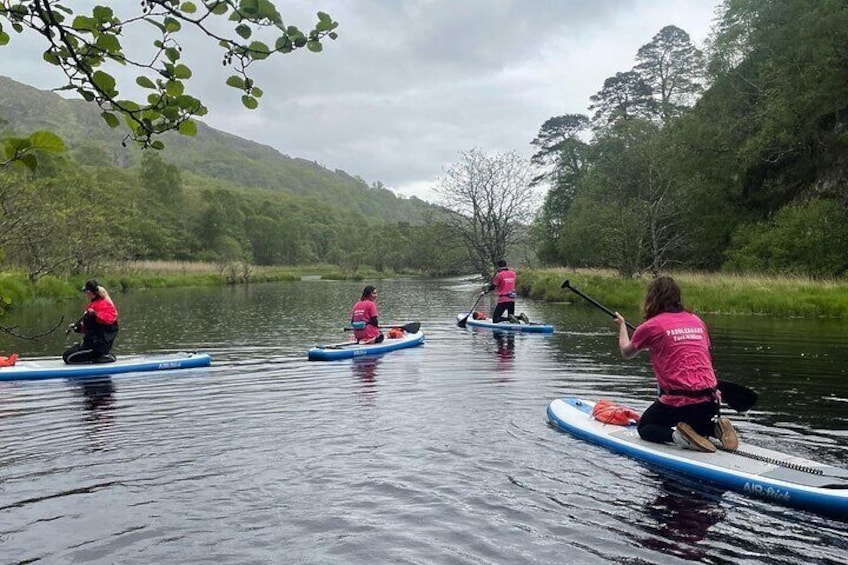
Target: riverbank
x,y
706,293
17,291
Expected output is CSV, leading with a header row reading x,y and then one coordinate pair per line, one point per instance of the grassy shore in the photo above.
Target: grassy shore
x,y
707,293
17,291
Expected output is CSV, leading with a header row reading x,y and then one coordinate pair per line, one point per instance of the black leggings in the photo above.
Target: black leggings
x,y
656,422
498,314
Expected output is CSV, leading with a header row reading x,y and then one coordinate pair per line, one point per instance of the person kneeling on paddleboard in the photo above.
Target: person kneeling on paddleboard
x,y
504,283
679,344
99,326
363,318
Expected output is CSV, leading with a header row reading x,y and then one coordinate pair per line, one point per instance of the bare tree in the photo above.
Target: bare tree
x,y
490,203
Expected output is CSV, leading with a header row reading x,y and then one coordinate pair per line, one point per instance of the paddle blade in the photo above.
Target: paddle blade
x,y
411,328
738,397
565,284
463,322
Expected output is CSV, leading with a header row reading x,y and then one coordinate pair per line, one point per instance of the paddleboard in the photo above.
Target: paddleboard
x,y
750,470
351,349
35,369
488,324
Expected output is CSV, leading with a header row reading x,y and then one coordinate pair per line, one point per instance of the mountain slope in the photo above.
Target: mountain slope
x,y
212,153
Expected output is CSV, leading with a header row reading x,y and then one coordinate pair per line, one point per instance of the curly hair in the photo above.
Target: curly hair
x,y
663,295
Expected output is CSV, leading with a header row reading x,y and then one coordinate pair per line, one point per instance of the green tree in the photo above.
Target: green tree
x,y
624,96
672,66
83,46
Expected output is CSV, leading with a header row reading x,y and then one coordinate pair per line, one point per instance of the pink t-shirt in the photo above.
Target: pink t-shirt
x,y
363,311
680,354
504,283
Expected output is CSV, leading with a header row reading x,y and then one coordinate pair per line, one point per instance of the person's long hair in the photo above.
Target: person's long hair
x,y
663,295
367,292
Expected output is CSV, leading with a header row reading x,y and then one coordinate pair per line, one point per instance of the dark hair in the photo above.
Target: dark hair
x,y
501,263
663,295
367,291
91,286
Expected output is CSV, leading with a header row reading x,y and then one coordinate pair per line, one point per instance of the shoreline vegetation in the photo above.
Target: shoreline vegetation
x,y
714,293
125,277
709,293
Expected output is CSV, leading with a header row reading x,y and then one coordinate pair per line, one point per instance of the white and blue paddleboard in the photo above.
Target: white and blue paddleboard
x,y
36,369
350,349
488,324
750,470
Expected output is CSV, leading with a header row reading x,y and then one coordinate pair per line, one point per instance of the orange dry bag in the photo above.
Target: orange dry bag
x,y
395,333
608,412
8,361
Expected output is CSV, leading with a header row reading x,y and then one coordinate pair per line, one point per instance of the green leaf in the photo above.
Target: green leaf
x,y
235,81
314,46
219,9
244,31
157,145
249,102
174,88
159,26
51,57
172,53
188,127
110,119
47,141
144,82
84,23
172,25
108,42
4,38
182,72
188,7
256,92
29,160
103,13
259,51
104,82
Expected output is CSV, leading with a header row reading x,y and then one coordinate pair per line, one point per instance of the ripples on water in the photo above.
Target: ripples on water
x,y
438,454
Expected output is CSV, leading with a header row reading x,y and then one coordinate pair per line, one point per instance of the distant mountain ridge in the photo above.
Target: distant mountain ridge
x,y
212,153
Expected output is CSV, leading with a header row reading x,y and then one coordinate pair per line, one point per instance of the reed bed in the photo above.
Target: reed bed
x,y
721,293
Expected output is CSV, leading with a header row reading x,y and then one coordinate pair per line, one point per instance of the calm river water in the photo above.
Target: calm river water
x,y
437,454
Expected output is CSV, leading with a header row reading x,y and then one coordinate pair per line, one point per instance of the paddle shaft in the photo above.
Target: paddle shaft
x,y
592,301
738,397
463,321
411,327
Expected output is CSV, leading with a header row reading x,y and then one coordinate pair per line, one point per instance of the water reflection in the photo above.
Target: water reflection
x,y
505,350
680,517
365,369
98,397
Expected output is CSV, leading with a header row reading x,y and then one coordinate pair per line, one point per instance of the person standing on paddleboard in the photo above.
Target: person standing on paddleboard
x,y
504,284
363,318
679,345
99,326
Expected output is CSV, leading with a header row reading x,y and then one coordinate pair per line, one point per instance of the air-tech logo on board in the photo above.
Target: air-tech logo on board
x,y
767,491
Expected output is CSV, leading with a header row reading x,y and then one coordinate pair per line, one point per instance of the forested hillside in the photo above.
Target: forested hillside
x,y
211,153
213,197
735,158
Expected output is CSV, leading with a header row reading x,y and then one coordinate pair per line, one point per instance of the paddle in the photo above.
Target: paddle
x,y
462,323
410,328
738,397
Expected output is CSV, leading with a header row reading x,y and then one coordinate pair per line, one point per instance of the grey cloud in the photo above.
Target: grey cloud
x,y
411,83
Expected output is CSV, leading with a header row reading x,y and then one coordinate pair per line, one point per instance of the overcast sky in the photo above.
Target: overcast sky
x,y
409,84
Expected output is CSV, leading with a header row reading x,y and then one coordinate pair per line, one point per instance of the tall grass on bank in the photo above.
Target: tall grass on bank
x,y
702,292
17,291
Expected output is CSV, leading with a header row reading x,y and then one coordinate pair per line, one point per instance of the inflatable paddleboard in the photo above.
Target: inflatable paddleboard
x,y
350,349
36,369
750,470
488,324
